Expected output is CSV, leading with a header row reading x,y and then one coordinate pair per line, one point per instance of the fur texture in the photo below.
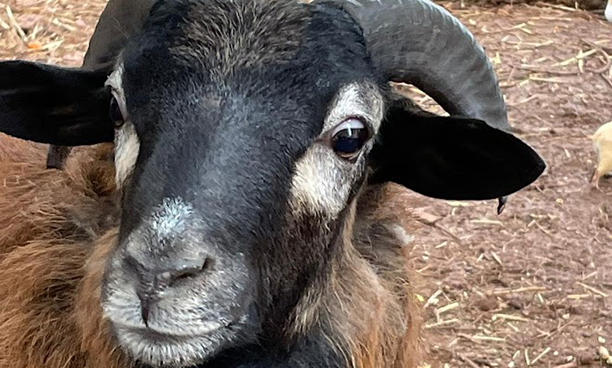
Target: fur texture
x,y
50,270
59,227
248,230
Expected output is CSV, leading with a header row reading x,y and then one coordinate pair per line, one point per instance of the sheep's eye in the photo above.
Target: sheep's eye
x,y
349,137
115,113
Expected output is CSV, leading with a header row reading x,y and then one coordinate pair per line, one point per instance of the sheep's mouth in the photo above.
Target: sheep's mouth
x,y
154,334
178,339
173,350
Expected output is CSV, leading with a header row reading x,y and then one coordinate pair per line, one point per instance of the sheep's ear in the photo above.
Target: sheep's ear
x,y
451,158
49,104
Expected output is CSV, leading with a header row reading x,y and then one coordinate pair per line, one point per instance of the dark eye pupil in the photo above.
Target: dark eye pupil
x,y
349,141
115,112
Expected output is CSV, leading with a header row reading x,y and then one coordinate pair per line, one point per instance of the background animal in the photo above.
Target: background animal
x,y
250,139
602,144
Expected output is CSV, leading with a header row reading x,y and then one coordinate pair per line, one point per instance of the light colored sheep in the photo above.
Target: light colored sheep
x,y
602,144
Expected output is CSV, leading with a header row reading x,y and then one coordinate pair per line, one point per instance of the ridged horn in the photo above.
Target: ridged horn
x,y
419,42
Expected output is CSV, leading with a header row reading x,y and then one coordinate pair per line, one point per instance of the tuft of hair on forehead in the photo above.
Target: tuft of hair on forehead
x,y
227,35
210,50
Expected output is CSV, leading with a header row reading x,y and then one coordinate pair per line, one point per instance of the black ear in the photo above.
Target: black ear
x,y
451,158
55,105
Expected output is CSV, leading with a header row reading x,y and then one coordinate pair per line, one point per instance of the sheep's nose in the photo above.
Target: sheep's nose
x,y
183,270
153,285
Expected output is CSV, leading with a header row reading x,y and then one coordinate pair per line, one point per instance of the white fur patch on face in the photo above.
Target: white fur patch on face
x,y
322,180
170,217
127,144
127,147
319,185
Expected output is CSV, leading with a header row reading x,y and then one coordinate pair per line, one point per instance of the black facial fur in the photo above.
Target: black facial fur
x,y
229,148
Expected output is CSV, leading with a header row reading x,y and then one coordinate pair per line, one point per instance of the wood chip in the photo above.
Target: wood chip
x,y
509,317
579,296
487,221
496,258
14,23
63,25
442,323
432,299
447,308
546,351
520,290
488,338
527,361
458,204
469,362
594,290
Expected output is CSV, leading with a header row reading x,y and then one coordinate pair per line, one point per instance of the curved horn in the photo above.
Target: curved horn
x,y
439,55
119,20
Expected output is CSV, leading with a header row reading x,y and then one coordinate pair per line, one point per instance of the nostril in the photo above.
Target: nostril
x,y
184,270
152,291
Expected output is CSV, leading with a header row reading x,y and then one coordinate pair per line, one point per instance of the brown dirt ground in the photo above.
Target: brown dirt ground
x,y
530,287
594,5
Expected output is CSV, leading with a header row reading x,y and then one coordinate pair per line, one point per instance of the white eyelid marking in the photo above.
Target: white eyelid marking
x,y
359,100
348,124
115,79
115,82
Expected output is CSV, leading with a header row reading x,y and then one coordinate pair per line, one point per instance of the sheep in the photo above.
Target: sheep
x,y
228,208
602,144
49,286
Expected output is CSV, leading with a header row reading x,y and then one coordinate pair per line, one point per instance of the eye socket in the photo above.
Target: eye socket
x,y
115,113
348,138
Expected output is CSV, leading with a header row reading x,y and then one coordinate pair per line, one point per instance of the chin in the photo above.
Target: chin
x,y
176,350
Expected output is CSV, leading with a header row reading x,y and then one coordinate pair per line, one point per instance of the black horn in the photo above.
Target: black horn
x,y
437,54
440,56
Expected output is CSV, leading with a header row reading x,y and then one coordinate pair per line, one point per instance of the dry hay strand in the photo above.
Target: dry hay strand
x,y
567,5
54,31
